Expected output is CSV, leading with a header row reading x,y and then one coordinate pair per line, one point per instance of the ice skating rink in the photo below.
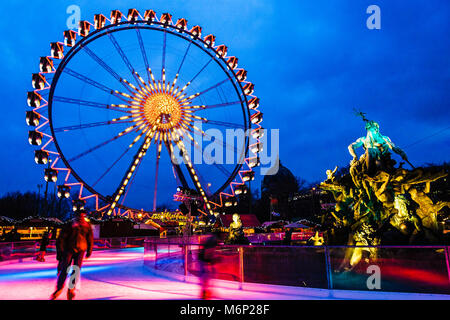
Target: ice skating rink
x,y
121,275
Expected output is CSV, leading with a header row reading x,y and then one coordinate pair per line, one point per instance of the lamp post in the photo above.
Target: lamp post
x,y
46,190
59,207
39,198
250,196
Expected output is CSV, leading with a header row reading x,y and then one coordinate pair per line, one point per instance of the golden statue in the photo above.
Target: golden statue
x,y
236,231
330,174
376,195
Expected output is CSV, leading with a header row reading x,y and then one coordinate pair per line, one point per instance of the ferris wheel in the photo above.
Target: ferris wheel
x,y
115,103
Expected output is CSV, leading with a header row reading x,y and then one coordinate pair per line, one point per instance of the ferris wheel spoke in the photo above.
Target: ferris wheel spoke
x,y
196,75
191,118
203,133
123,56
196,95
211,106
89,125
201,70
219,166
153,83
212,87
143,52
91,82
175,166
225,171
91,104
105,66
184,57
181,65
163,64
189,165
110,167
98,146
225,124
136,161
158,157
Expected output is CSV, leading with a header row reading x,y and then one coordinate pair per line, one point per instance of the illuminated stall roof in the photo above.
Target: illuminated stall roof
x,y
5,221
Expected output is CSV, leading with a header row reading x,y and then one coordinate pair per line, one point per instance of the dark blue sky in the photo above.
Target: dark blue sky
x,y
312,62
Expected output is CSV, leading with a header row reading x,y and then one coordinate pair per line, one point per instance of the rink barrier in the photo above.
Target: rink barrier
x,y
415,269
20,250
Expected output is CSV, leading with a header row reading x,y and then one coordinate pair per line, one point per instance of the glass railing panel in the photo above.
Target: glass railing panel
x,y
396,269
286,265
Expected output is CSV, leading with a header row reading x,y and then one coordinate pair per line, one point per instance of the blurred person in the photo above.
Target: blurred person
x,y
74,243
12,235
44,243
288,237
207,257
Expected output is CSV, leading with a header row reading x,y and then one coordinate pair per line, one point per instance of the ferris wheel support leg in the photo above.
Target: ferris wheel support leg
x,y
191,170
177,167
136,161
158,156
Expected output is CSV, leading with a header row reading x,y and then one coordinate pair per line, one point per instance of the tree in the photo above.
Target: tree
x,y
17,205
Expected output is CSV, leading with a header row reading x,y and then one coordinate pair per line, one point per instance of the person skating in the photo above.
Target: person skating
x,y
73,244
44,243
207,258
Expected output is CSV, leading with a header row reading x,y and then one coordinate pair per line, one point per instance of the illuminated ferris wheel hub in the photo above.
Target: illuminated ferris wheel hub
x,y
156,104
165,107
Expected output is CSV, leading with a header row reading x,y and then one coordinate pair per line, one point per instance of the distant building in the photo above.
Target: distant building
x,y
276,190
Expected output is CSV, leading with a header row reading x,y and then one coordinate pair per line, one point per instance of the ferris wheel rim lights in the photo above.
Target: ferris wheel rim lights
x,y
46,66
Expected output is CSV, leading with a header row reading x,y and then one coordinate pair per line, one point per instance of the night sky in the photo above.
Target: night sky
x,y
312,63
